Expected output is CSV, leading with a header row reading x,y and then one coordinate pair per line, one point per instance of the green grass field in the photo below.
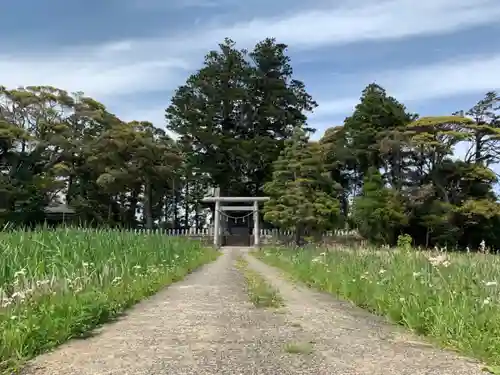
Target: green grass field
x,y
452,298
56,285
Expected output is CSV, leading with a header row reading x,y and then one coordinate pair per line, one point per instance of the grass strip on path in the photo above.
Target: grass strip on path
x,y
59,285
260,292
299,348
451,298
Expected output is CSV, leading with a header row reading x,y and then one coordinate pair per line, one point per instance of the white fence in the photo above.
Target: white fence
x,y
193,232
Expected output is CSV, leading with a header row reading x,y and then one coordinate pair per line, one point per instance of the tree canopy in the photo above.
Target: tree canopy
x,y
240,123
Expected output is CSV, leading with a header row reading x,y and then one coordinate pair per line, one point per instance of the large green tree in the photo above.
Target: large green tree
x,y
235,113
377,117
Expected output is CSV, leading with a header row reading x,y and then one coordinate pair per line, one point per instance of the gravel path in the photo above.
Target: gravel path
x,y
205,325
352,341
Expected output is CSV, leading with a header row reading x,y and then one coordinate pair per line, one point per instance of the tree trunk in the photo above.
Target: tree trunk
x,y
175,205
186,206
134,200
165,212
298,235
70,186
110,210
148,204
478,151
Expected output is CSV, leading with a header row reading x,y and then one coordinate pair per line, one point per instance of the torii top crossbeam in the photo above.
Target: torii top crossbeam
x,y
234,199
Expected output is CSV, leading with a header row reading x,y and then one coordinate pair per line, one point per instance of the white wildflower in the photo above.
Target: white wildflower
x,y
18,295
21,272
486,301
440,260
482,246
41,283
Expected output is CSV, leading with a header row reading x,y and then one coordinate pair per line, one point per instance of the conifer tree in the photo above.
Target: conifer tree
x,y
300,189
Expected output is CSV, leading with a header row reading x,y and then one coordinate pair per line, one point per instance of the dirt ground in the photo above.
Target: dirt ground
x,y
206,325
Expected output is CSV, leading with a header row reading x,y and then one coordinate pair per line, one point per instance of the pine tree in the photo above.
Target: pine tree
x,y
234,115
375,119
300,189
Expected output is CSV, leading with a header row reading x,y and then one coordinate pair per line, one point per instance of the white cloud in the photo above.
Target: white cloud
x,y
334,107
154,114
351,22
446,78
368,20
126,67
473,74
99,78
175,4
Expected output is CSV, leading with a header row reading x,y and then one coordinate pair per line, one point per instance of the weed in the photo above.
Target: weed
x,y
298,348
261,293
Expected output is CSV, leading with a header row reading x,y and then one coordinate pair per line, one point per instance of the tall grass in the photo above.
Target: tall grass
x,y
56,285
453,298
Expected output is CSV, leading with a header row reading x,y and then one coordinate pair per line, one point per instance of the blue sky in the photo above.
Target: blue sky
x,y
436,56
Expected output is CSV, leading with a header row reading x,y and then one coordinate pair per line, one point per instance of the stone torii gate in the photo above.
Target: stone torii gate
x,y
222,209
